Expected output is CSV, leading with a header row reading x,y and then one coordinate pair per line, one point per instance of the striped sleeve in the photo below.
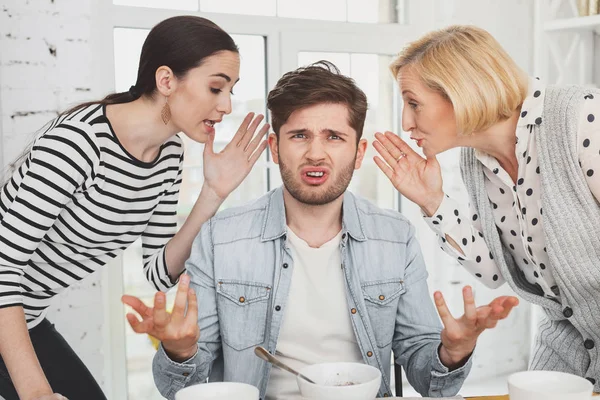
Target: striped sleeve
x,y
161,228
60,161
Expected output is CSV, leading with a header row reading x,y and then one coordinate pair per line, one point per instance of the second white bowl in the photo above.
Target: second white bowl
x,y
340,381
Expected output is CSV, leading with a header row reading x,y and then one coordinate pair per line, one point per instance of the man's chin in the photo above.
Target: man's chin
x,y
313,195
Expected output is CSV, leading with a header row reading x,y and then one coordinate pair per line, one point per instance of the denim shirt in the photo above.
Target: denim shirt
x,y
241,268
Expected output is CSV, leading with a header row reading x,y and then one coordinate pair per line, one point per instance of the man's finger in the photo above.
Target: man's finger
x,y
507,304
135,303
161,317
135,323
191,318
442,308
470,308
181,298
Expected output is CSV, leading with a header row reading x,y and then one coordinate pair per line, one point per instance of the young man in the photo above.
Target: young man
x,y
311,271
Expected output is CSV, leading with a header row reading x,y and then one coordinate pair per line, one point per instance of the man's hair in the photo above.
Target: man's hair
x,y
318,83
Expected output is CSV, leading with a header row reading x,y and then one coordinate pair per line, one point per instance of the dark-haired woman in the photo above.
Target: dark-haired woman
x,y
99,177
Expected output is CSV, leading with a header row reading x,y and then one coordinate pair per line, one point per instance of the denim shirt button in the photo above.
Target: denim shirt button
x,y
277,308
242,299
343,236
369,354
186,374
381,297
353,311
285,265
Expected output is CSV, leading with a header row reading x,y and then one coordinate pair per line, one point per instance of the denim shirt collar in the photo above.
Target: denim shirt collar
x,y
274,223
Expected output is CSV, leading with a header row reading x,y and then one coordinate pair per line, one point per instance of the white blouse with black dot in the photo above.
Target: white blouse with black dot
x,y
517,209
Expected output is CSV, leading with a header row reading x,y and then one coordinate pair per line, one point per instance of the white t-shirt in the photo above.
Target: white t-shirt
x,y
316,326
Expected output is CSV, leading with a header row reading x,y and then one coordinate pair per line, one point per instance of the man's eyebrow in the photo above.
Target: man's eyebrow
x,y
296,131
334,132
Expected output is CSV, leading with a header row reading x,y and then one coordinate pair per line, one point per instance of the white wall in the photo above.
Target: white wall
x,y
46,66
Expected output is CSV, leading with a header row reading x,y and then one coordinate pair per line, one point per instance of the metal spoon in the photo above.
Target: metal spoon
x,y
262,353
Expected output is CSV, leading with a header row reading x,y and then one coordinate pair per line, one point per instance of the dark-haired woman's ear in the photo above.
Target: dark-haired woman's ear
x,y
165,81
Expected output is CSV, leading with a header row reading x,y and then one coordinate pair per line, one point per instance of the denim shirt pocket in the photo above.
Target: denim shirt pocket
x,y
381,298
242,308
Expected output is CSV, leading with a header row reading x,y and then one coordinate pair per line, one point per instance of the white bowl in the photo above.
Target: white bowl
x,y
548,385
218,390
333,381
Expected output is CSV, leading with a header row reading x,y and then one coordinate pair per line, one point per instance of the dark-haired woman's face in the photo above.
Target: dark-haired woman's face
x,y
203,96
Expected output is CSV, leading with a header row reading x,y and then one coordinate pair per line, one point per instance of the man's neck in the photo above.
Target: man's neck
x,y
316,225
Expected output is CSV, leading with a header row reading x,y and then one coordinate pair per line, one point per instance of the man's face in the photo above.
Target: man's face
x,y
317,153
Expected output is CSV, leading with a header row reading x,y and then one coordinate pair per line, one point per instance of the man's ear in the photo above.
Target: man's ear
x,y
273,145
360,153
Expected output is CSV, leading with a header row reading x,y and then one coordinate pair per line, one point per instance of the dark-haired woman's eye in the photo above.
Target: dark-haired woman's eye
x,y
215,91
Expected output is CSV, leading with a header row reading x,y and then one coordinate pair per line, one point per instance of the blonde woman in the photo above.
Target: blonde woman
x,y
530,161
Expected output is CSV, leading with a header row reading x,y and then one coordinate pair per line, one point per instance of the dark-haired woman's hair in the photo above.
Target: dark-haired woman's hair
x,y
180,43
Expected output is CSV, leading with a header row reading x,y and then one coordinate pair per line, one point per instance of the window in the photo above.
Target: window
x,y
372,11
191,5
269,46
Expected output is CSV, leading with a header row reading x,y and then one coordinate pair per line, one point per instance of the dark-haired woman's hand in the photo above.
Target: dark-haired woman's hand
x,y
416,178
224,171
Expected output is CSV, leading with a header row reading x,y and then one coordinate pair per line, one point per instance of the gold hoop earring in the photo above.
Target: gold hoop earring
x,y
165,113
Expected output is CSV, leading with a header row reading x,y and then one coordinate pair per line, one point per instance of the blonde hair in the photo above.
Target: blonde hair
x,y
468,66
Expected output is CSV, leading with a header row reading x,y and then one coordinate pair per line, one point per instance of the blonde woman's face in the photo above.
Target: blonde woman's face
x,y
427,115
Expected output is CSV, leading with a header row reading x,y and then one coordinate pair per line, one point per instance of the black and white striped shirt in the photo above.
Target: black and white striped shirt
x,y
75,203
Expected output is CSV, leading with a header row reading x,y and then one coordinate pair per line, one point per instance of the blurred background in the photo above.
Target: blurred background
x,y
56,53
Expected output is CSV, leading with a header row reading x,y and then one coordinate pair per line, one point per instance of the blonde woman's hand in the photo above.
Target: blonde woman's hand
x,y
178,331
224,171
416,178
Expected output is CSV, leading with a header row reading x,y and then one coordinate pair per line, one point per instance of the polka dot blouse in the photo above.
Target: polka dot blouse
x,y
517,208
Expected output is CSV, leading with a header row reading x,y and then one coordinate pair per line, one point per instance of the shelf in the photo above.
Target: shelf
x,y
590,23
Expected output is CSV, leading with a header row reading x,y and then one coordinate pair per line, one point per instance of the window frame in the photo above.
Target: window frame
x,y
284,38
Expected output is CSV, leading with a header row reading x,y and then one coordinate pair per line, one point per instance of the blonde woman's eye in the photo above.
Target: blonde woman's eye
x,y
215,91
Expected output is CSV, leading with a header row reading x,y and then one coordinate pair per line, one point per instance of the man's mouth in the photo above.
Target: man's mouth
x,y
314,175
